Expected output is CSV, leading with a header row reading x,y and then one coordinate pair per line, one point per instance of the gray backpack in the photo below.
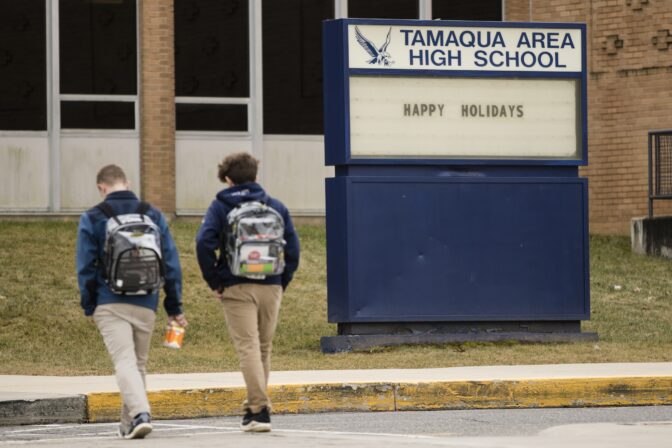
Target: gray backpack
x,y
133,261
254,244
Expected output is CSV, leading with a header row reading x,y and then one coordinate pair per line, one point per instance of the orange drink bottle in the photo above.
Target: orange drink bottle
x,y
174,335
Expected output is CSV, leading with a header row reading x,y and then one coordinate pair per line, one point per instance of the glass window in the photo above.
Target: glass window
x,y
211,117
383,9
98,47
97,115
292,64
467,9
212,48
212,60
23,65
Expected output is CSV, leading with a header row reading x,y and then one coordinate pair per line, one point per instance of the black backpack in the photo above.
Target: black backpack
x,y
132,261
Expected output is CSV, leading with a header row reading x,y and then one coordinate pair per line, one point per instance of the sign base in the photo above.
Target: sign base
x,y
362,337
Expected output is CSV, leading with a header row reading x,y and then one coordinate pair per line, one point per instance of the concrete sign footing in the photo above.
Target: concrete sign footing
x,y
350,343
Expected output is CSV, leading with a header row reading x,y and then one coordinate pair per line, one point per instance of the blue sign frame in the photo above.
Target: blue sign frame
x,y
337,81
538,266
452,239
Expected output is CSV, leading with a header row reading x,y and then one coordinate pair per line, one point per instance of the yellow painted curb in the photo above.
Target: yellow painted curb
x,y
169,404
551,393
355,397
292,399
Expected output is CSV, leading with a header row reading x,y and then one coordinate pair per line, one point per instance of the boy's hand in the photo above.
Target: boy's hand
x,y
219,294
179,319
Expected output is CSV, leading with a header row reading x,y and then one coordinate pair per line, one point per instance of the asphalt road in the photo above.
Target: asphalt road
x,y
597,427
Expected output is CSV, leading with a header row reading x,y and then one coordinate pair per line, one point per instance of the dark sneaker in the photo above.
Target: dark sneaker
x,y
140,427
259,422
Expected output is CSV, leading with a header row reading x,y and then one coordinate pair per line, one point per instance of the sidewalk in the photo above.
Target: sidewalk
x,y
43,399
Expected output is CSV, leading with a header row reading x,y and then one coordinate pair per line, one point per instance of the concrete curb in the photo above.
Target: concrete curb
x,y
358,397
34,411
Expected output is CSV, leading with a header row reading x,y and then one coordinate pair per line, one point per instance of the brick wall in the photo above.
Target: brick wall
x,y
157,104
629,93
517,10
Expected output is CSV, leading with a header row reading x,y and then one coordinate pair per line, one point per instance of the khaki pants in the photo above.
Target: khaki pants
x,y
127,332
251,312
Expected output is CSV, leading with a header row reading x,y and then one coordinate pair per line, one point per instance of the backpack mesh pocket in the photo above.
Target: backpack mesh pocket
x,y
137,269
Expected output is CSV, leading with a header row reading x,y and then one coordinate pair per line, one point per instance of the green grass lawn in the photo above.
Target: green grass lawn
x,y
43,330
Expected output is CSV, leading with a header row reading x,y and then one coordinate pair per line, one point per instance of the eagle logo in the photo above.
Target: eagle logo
x,y
380,55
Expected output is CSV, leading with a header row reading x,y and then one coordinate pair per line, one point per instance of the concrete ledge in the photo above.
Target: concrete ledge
x,y
349,343
652,236
392,396
40,410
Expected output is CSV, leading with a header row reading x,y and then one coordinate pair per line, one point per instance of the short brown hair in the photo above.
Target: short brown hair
x,y
240,167
111,175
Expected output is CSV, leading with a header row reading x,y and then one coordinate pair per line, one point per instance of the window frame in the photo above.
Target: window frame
x,y
339,6
47,80
54,99
250,101
59,97
54,132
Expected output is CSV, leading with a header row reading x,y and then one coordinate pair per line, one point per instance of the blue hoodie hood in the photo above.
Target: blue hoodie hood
x,y
250,191
210,238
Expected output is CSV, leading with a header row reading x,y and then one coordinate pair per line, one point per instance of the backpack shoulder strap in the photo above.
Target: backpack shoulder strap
x,y
143,208
234,212
108,211
274,210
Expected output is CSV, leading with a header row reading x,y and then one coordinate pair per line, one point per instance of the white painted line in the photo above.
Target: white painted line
x,y
348,433
51,427
221,428
178,425
163,428
83,435
189,434
73,439
77,439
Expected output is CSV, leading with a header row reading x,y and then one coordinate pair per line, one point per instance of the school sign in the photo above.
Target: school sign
x,y
456,197
460,113
460,48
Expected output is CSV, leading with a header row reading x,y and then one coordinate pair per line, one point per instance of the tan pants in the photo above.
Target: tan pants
x,y
251,312
127,332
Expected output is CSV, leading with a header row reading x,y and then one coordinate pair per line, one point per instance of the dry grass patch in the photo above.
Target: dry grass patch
x,y
43,330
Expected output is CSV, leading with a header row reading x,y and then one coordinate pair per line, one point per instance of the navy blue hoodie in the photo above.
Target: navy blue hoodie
x,y
90,246
209,240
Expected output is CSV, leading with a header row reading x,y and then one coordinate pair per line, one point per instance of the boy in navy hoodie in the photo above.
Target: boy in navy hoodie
x,y
125,321
251,306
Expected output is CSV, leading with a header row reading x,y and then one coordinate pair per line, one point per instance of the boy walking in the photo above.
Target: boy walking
x,y
247,275
124,254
